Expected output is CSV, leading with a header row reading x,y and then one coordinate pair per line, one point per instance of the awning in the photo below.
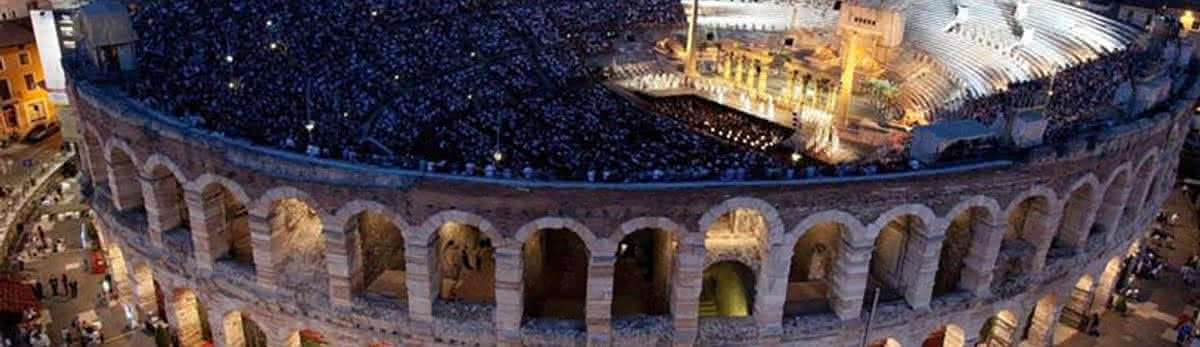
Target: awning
x,y
17,297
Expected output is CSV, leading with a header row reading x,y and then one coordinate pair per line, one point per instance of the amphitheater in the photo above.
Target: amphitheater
x,y
245,245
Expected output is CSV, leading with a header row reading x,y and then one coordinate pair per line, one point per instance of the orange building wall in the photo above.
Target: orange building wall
x,y
17,115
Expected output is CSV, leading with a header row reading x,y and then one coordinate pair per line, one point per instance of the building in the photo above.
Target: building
x,y
24,102
15,9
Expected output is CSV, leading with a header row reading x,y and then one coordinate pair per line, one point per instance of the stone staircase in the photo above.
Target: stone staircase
x,y
708,307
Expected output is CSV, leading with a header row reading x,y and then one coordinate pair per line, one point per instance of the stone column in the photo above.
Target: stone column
x,y
849,278
120,274
210,235
687,281
422,279
509,295
1044,224
920,268
124,185
338,263
1109,213
264,248
980,262
598,309
771,295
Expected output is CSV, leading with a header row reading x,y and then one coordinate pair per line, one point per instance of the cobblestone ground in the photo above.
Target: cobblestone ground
x,y
1150,323
63,309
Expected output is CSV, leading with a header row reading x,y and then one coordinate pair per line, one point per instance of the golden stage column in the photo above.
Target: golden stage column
x,y
727,64
737,74
850,50
751,73
690,67
762,77
791,85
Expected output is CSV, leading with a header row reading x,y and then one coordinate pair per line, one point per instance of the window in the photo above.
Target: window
x,y
5,94
23,58
30,83
37,111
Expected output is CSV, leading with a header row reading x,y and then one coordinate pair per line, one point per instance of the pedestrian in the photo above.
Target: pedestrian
x,y
1094,325
66,336
74,289
1183,333
39,291
64,278
54,285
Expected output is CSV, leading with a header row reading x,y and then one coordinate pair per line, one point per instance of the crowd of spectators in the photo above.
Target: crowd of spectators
x,y
497,88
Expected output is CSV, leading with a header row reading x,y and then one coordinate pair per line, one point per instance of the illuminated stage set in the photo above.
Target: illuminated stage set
x,y
852,80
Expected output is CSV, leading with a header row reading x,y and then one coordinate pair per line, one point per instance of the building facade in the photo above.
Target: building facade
x,y
24,103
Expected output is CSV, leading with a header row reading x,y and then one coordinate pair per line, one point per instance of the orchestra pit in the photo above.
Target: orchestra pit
x,y
623,173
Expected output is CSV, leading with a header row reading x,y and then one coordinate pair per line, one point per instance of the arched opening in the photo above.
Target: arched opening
x,y
381,253
1137,198
728,290
306,338
737,231
192,319
1074,228
150,297
811,273
998,330
123,181
555,272
1027,223
960,234
1109,216
889,260
298,247
642,275
464,267
1107,284
1078,306
228,224
241,331
886,342
1040,328
169,209
946,336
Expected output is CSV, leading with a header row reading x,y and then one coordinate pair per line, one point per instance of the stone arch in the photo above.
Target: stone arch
x,y
1145,169
242,331
818,244
1030,217
727,290
429,228
949,335
123,169
150,298
373,244
191,318
295,240
646,266
770,215
555,251
1117,188
902,239
1077,216
969,236
222,230
1079,302
999,329
166,205
1039,331
1106,284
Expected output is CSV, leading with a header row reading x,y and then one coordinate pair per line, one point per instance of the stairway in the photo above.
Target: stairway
x,y
708,307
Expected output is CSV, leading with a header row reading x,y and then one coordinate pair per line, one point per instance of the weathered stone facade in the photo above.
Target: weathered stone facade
x,y
1094,194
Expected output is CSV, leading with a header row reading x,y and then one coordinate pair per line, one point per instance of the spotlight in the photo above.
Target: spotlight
x,y
228,58
497,156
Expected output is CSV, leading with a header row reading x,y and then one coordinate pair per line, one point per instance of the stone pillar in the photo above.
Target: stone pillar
x,y
598,309
1041,329
509,295
210,235
980,263
264,248
143,290
1109,213
338,263
687,281
120,274
849,278
124,185
1136,200
762,77
771,295
1044,224
920,268
422,279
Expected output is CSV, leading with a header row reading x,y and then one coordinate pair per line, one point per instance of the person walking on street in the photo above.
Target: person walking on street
x,y
54,285
64,278
74,289
1094,325
39,291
